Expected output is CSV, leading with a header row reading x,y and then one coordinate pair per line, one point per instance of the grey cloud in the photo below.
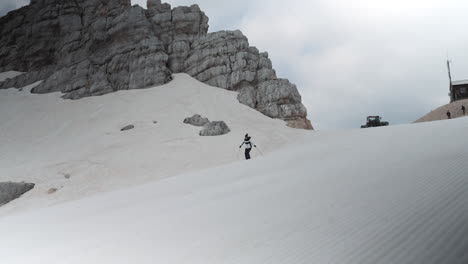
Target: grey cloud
x,y
349,63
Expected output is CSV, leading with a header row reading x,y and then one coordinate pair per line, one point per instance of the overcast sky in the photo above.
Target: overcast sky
x,y
352,58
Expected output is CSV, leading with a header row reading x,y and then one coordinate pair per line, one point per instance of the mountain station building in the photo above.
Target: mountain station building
x,y
458,90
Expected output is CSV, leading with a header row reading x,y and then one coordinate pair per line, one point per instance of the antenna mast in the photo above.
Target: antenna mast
x,y
450,80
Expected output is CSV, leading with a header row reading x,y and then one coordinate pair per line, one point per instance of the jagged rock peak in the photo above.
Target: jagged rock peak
x,y
122,3
156,5
93,47
153,3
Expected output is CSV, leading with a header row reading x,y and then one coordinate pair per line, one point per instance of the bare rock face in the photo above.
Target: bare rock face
x,y
280,99
225,59
82,47
10,191
92,47
216,128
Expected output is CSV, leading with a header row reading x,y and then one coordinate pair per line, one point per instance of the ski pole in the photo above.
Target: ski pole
x,y
259,151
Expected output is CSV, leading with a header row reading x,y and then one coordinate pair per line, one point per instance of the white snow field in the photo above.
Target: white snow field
x,y
45,139
397,194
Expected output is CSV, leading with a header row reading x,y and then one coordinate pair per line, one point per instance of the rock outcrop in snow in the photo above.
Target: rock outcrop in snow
x,y
126,128
10,191
216,128
93,47
196,120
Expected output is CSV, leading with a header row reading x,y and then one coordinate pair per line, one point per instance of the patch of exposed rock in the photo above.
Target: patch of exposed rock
x,y
216,128
10,191
93,47
196,120
126,128
52,190
440,113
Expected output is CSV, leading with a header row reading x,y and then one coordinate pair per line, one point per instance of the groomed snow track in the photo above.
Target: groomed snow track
x,y
386,195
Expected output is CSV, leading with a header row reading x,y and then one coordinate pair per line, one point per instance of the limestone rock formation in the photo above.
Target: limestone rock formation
x,y
82,47
10,191
216,128
92,47
196,120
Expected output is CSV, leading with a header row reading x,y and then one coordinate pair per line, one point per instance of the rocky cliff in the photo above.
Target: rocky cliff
x,y
92,47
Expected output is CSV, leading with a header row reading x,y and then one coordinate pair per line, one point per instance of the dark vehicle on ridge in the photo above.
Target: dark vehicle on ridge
x,y
374,121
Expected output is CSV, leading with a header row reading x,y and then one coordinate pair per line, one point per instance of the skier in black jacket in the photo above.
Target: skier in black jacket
x,y
248,146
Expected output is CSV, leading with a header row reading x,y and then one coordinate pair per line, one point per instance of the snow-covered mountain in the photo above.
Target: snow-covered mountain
x,y
77,148
115,175
93,47
386,195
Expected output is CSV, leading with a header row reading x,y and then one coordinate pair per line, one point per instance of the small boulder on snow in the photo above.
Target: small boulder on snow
x,y
52,190
197,120
10,191
216,128
129,127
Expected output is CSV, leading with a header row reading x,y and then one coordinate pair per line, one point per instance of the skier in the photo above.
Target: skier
x,y
463,109
248,146
449,115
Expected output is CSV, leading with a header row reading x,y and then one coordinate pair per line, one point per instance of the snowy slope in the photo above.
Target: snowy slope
x,y
45,139
386,195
